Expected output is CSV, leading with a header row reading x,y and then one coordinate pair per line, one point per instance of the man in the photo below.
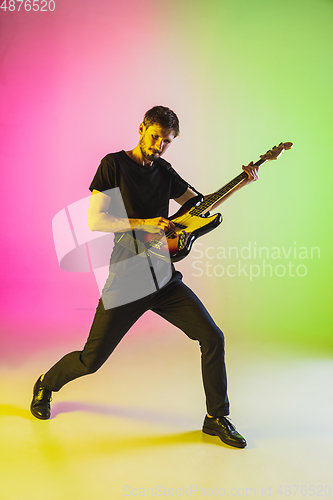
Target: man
x,y
146,187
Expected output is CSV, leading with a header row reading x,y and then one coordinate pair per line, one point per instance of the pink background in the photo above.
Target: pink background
x,y
75,85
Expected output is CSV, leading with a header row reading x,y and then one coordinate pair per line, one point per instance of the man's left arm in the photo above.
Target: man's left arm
x,y
252,175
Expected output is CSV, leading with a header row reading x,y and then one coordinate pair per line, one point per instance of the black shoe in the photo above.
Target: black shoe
x,y
40,404
225,430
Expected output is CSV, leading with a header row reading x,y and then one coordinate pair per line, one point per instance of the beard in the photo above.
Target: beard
x,y
146,153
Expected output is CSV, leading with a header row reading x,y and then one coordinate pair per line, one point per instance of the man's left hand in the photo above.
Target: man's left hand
x,y
252,172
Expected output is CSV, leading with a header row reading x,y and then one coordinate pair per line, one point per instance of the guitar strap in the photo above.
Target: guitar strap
x,y
169,167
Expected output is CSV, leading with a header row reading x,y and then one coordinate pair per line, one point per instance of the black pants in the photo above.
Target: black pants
x,y
177,304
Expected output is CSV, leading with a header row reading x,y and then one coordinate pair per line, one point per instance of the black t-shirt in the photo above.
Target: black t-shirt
x,y
145,191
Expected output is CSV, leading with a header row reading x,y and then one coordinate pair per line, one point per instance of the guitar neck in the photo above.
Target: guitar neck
x,y
222,192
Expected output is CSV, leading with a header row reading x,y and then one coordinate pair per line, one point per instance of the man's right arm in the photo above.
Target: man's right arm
x,y
100,220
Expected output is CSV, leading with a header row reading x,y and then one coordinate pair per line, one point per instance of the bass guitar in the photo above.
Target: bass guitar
x,y
190,220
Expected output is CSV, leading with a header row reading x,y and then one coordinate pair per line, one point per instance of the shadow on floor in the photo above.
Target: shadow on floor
x,y
123,412
113,443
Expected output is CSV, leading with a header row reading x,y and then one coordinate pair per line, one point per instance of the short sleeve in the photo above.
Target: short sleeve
x,y
105,176
178,187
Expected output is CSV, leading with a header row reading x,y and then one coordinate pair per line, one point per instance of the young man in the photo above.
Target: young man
x,y
146,186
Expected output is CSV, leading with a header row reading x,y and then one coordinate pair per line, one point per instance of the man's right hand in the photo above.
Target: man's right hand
x,y
157,225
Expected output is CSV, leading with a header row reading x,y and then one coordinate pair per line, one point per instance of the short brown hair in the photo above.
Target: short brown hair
x,y
162,116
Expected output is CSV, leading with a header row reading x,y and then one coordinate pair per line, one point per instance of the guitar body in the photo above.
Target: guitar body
x,y
177,244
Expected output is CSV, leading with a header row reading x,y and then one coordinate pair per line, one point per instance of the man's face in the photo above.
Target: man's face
x,y
154,141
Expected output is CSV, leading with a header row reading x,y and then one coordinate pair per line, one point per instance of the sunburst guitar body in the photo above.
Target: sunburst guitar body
x,y
177,244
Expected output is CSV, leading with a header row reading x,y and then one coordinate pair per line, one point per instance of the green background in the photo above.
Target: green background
x,y
259,73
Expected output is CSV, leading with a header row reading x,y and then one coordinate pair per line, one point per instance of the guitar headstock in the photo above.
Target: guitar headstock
x,y
274,153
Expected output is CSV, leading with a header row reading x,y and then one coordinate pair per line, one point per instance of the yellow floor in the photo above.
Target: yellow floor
x,y
134,427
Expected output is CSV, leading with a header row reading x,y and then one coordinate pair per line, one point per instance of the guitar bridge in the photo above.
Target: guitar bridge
x,y
181,240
